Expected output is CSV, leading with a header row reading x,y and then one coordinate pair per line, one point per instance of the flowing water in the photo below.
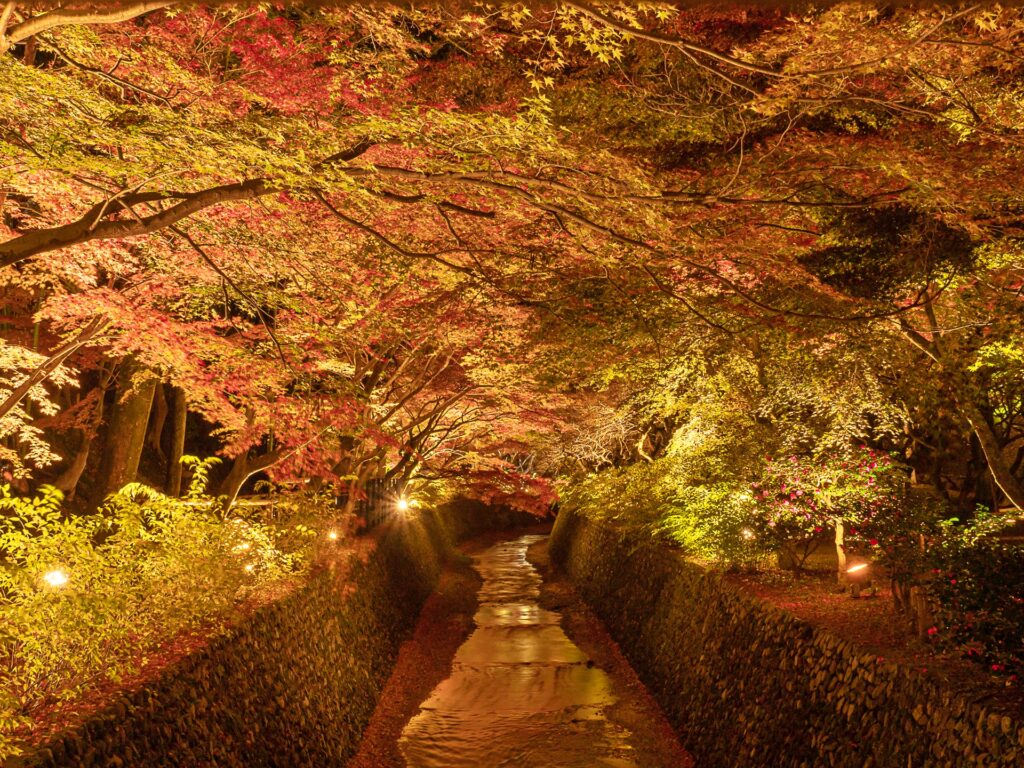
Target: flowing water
x,y
521,693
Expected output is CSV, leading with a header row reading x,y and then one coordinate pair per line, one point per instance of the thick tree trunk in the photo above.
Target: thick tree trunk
x,y
357,484
346,447
241,470
179,418
126,430
987,439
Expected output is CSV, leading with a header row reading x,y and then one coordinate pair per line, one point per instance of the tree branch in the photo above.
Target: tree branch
x,y
688,47
227,279
5,18
94,226
51,364
674,42
60,18
117,81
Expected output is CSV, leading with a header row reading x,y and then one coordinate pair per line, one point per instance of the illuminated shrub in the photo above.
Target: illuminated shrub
x,y
86,599
802,498
710,521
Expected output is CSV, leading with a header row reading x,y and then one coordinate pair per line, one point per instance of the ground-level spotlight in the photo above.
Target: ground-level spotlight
x,y
332,535
747,534
403,504
859,576
56,578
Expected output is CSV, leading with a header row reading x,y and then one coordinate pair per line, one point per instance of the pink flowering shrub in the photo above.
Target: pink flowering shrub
x,y
800,498
976,586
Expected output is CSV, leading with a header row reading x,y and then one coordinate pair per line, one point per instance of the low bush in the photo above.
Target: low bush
x,y
977,595
710,521
86,600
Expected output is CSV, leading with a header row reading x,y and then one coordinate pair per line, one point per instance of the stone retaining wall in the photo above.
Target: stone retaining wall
x,y
464,518
747,684
294,685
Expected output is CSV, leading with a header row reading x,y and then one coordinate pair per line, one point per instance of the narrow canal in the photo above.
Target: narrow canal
x,y
522,693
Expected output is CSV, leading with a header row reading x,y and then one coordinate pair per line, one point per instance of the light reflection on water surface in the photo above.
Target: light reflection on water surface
x,y
521,693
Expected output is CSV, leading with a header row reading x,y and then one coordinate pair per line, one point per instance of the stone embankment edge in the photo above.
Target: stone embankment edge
x,y
292,685
749,685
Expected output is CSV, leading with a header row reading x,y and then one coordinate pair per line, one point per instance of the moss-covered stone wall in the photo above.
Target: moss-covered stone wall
x,y
749,685
294,685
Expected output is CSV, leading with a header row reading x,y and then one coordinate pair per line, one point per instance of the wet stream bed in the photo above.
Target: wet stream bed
x,y
537,682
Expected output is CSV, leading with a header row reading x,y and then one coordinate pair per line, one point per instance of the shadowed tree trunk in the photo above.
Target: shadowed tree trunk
x,y
126,429
179,417
991,448
28,58
157,420
67,481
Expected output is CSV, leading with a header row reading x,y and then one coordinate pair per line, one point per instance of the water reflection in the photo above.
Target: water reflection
x,y
521,693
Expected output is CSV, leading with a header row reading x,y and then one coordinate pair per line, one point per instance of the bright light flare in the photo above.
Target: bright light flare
x,y
856,568
56,578
746,533
403,505
332,535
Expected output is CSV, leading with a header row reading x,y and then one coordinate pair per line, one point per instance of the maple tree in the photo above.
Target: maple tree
x,y
626,249
303,373
741,165
530,153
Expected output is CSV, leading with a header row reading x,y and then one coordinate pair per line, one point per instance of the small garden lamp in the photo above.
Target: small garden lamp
x,y
858,576
56,578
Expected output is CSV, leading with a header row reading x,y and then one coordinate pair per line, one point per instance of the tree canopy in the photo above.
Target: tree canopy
x,y
747,276
500,245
